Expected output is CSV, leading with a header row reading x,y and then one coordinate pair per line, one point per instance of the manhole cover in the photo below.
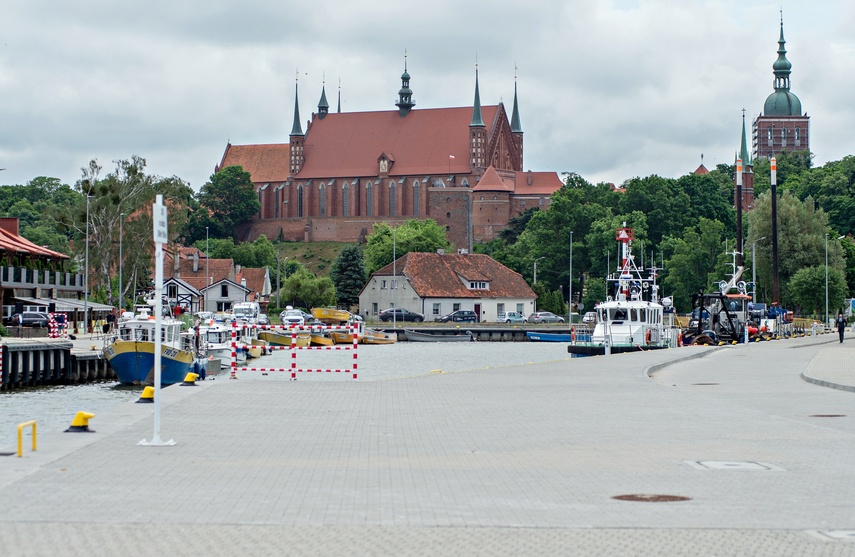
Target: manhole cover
x,y
8,454
731,465
651,498
827,416
704,384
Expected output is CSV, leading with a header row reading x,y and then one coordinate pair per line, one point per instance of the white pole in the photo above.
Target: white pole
x,y
121,223
570,296
826,279
86,269
394,278
207,257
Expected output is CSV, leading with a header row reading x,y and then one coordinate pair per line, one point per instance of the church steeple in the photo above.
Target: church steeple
x,y
323,105
782,66
743,149
405,94
296,129
339,95
477,120
515,117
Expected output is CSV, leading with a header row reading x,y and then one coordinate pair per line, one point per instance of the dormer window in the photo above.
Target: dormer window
x,y
473,285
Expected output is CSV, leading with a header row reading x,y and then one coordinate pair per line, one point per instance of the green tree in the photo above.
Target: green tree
x,y
807,290
226,201
303,289
596,292
414,235
349,276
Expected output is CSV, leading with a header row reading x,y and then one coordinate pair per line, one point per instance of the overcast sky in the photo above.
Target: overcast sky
x,y
610,89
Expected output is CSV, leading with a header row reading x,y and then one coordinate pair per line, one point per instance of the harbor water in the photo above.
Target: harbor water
x,y
54,407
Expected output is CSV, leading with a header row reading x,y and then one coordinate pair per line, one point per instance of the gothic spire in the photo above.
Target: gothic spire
x,y
296,129
323,105
743,150
515,117
405,94
477,120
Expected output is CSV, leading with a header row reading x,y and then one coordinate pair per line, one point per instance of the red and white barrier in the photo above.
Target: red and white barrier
x,y
353,329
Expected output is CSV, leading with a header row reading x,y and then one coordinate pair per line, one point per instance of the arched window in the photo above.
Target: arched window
x,y
300,200
369,199
323,200
797,136
416,198
769,136
276,203
345,199
391,199
783,136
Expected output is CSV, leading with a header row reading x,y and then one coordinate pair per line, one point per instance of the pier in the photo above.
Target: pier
x,y
33,362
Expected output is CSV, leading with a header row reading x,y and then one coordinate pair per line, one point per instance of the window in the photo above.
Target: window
x,y
455,307
500,308
345,199
797,138
171,290
769,136
392,199
224,291
416,198
478,286
382,284
276,204
436,308
374,308
300,200
369,198
323,189
520,308
783,136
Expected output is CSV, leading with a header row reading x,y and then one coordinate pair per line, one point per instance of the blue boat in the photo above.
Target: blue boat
x,y
131,353
547,337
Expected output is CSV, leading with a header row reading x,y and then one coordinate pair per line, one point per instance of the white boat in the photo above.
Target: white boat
x,y
419,336
218,344
627,322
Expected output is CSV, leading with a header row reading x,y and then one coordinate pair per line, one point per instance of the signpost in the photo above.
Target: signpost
x,y
161,236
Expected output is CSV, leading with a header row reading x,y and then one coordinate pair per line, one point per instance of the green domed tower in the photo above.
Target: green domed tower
x,y
782,126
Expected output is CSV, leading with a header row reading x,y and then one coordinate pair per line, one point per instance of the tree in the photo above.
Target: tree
x,y
124,195
348,275
303,289
807,290
227,200
414,235
596,292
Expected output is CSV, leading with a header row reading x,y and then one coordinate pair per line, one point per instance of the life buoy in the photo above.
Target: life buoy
x,y
680,339
647,336
573,334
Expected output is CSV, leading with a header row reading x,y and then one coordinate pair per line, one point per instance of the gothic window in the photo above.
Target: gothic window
x,y
260,206
465,183
276,204
369,197
345,194
769,136
416,198
797,136
323,193
391,199
300,200
783,137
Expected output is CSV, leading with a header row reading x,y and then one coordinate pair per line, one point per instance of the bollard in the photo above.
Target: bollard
x,y
190,379
147,395
80,423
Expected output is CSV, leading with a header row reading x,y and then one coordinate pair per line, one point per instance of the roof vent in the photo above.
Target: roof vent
x,y
462,251
440,251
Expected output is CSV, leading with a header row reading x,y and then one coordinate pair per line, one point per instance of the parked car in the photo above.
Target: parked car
x,y
28,319
292,317
400,314
511,317
590,318
545,317
459,316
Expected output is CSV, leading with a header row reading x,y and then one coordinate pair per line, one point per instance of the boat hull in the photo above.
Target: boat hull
x,y
133,362
372,336
548,337
416,336
331,315
590,349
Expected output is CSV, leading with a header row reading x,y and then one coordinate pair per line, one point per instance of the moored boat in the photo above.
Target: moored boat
x,y
419,336
376,336
331,315
285,338
548,337
131,353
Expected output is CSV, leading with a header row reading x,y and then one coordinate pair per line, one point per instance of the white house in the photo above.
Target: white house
x,y
435,284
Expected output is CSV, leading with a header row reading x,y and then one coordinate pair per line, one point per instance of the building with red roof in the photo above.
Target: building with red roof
x,y
460,166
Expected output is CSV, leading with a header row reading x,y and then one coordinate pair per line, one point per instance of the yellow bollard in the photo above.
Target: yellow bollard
x,y
21,436
80,422
190,379
147,395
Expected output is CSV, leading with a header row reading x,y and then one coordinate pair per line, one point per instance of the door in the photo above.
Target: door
x,y
477,313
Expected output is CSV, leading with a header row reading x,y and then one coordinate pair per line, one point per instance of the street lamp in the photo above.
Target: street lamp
x,y
570,287
121,223
534,282
394,278
207,257
86,270
754,270
826,275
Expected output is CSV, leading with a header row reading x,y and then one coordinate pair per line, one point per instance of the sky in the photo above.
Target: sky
x,y
608,89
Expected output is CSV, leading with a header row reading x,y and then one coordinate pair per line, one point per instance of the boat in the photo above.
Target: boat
x,y
285,338
131,352
331,315
419,336
376,336
321,339
627,322
548,337
217,339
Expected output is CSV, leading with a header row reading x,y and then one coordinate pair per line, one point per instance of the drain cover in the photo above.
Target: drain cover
x,y
731,465
651,498
827,416
704,384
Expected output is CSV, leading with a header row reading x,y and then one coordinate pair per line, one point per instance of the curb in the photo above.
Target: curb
x,y
824,383
650,370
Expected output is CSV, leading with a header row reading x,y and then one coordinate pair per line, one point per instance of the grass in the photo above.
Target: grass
x,y
317,257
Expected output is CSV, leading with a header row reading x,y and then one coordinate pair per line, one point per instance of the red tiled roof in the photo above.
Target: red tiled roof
x,y
432,275
491,181
265,163
542,183
19,244
701,170
254,279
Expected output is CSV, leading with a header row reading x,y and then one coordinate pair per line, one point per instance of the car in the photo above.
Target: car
x,y
400,314
590,318
459,316
511,317
28,319
263,319
545,317
292,317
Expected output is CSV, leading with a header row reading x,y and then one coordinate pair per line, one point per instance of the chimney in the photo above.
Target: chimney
x,y
528,179
9,224
175,262
196,262
243,282
237,269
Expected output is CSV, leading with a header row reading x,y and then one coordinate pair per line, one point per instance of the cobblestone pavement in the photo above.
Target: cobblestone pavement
x,y
522,460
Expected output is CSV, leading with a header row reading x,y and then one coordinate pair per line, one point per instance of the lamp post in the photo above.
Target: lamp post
x,y
826,275
86,271
534,281
570,286
121,223
207,257
754,270
394,278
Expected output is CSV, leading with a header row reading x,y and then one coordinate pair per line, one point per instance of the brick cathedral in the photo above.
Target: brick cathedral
x,y
462,167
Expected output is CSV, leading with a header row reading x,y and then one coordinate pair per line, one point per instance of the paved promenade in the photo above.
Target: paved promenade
x,y
522,460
